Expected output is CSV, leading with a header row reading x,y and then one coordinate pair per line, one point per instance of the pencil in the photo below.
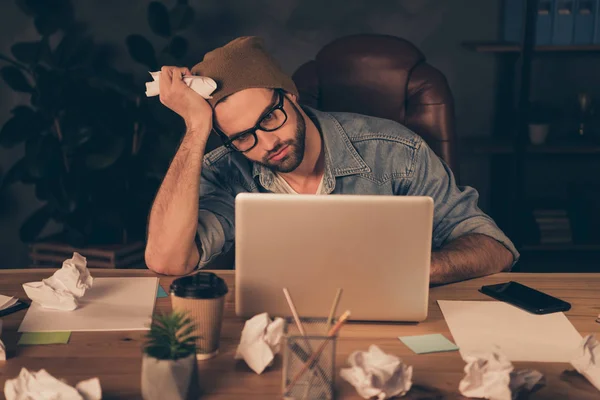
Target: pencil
x,y
336,301
288,297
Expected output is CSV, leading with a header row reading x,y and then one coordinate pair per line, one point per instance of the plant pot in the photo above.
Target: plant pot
x,y
168,379
538,133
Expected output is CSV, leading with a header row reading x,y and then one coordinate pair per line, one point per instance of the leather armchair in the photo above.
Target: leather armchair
x,y
383,76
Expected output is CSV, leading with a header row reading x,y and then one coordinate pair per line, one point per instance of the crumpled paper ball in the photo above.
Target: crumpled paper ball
x,y
43,386
492,376
260,341
374,373
203,85
64,287
587,361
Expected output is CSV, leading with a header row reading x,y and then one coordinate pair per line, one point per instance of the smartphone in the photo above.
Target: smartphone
x,y
525,297
19,305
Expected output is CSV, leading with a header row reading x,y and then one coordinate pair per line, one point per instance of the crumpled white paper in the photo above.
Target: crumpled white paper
x,y
376,374
587,362
202,85
61,290
43,386
492,376
2,347
525,381
260,341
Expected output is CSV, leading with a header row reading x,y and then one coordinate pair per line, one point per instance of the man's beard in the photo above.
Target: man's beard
x,y
295,154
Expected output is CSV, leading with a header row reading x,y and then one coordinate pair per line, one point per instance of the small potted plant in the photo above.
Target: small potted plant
x,y
169,366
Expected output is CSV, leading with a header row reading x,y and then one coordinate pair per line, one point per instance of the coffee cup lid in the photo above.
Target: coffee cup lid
x,y
202,285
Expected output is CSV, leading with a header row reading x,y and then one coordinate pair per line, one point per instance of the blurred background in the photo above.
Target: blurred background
x,y
82,150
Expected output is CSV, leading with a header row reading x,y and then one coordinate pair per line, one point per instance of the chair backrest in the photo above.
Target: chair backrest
x,y
383,76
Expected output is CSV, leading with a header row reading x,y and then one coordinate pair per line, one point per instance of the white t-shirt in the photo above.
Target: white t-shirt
x,y
280,185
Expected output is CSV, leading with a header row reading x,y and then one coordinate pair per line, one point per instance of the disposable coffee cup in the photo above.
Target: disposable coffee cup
x,y
202,297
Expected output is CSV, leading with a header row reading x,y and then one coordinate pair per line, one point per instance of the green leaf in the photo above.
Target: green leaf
x,y
46,25
181,16
74,49
22,125
26,52
45,54
158,19
42,189
43,156
178,47
15,79
42,7
58,196
77,138
105,153
25,7
36,222
164,340
51,15
184,334
142,51
122,83
14,174
49,95
33,156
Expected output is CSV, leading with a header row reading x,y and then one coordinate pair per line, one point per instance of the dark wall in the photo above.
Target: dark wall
x,y
294,31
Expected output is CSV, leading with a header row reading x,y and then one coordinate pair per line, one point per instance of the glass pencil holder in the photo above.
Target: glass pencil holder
x,y
306,374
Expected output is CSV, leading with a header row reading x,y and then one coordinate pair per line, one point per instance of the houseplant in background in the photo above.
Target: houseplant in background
x,y
3,197
167,47
169,368
94,149
166,24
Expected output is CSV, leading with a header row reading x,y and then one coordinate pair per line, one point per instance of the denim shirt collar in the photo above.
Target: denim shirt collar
x,y
341,158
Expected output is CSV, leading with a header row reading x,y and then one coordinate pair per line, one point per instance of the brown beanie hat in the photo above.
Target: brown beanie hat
x,y
242,64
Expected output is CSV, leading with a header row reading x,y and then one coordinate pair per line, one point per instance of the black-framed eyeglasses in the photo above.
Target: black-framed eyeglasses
x,y
269,121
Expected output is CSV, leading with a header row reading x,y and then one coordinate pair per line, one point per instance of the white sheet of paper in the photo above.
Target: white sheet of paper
x,y
479,325
112,304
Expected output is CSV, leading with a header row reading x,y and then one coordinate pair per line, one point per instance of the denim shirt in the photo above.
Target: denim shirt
x,y
363,155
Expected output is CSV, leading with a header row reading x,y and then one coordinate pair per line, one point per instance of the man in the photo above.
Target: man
x,y
271,144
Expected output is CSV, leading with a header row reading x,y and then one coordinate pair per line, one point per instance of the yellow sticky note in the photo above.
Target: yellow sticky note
x,y
35,338
428,343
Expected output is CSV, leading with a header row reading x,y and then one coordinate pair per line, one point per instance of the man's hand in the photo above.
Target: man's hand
x,y
176,95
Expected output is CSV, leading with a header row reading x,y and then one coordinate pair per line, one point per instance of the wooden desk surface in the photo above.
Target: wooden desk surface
x,y
115,357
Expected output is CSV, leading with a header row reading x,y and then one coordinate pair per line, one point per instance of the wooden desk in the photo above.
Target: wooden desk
x,y
115,357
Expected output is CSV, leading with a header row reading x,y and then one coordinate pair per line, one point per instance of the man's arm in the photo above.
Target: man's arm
x,y
170,247
466,243
469,256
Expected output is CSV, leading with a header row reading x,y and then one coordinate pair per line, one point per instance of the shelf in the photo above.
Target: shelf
x,y
503,47
472,145
560,247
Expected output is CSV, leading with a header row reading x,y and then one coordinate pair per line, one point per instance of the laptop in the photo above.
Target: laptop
x,y
376,248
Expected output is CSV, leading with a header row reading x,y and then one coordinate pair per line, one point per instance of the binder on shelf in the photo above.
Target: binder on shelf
x,y
585,17
543,24
512,20
562,30
597,23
